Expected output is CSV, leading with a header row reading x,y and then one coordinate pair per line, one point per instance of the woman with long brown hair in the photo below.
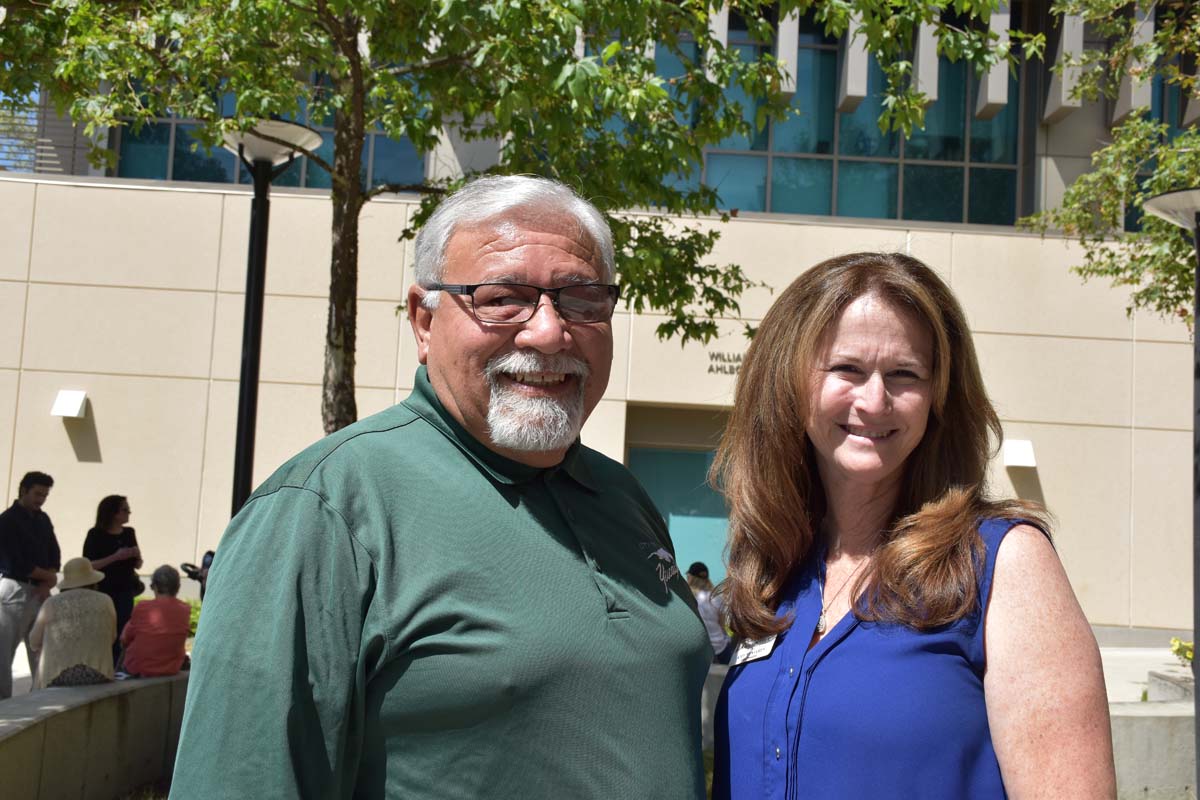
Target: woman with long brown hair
x,y
906,635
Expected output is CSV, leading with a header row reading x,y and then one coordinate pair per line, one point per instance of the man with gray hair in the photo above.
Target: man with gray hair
x,y
455,598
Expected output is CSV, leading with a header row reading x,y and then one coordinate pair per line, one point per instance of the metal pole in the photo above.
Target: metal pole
x,y
1196,483
256,271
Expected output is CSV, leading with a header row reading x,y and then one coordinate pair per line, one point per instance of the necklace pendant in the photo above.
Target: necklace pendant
x,y
821,622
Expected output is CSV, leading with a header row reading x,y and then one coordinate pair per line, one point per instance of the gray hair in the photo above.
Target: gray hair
x,y
493,197
166,580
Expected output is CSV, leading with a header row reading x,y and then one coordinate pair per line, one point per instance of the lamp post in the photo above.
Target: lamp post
x,y
266,160
1182,208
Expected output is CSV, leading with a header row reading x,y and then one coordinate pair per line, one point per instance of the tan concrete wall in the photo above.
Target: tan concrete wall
x,y
133,292
91,742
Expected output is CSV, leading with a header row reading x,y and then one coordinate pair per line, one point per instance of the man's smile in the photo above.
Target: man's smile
x,y
537,378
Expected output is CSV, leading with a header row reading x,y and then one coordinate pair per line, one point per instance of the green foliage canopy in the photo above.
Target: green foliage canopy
x,y
567,87
1144,157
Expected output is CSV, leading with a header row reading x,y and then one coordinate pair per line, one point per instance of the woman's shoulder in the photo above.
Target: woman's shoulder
x,y
997,529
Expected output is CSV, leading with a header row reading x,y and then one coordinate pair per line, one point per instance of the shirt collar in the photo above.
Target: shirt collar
x,y
424,401
31,514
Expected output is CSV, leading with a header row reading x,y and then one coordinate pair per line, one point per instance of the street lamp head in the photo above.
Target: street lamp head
x,y
255,148
1179,207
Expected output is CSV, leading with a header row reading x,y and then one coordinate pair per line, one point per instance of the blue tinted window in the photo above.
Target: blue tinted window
x,y
866,190
214,166
316,177
676,481
994,141
741,181
860,134
993,197
397,161
144,154
809,125
933,193
802,185
813,32
757,140
671,68
1165,102
943,137
290,176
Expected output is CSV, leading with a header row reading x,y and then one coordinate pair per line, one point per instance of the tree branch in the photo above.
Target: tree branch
x,y
408,69
395,188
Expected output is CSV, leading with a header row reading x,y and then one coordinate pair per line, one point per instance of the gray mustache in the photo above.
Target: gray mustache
x,y
525,361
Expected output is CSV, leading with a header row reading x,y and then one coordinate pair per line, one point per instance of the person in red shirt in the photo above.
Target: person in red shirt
x,y
156,633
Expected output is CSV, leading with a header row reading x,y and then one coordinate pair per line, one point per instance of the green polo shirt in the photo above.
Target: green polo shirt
x,y
400,612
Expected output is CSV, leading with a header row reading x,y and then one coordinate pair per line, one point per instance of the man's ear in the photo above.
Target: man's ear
x,y
421,319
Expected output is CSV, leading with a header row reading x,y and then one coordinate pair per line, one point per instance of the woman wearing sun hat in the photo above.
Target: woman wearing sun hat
x,y
77,626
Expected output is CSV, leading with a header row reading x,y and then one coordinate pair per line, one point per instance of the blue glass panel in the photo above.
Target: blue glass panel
x,y
994,141
992,198
214,166
671,67
802,186
676,481
684,183
813,32
757,140
943,137
1165,102
860,134
741,181
144,154
809,125
290,176
867,190
933,193
316,177
397,161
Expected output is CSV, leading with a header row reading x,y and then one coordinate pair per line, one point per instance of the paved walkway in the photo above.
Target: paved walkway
x,y
1125,670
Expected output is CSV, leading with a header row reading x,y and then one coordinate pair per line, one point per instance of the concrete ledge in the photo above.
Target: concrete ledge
x,y
1155,750
91,741
1174,683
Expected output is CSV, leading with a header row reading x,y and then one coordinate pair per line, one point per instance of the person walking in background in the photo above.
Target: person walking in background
x,y
156,634
29,561
74,628
909,636
711,612
112,547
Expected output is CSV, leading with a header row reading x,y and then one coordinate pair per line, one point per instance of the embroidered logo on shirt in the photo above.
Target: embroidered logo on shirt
x,y
665,566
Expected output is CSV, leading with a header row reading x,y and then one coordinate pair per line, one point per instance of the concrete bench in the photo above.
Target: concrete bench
x,y
90,741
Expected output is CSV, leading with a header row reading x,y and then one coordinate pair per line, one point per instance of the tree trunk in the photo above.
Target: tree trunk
x,y
338,407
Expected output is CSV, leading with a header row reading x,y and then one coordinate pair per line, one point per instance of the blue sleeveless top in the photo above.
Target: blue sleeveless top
x,y
872,710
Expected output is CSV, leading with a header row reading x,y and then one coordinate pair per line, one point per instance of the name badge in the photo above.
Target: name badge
x,y
753,650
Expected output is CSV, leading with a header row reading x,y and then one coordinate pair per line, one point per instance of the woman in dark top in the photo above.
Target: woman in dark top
x,y
112,548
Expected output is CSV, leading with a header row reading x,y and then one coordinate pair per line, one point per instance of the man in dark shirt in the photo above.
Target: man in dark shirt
x,y
29,562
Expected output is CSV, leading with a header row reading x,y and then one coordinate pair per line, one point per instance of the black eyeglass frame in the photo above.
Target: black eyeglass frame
x,y
468,289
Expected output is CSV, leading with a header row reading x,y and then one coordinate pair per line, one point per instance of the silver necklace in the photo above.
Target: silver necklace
x,y
822,621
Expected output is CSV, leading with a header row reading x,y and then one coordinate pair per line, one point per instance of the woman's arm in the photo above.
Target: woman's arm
x,y
133,544
1044,687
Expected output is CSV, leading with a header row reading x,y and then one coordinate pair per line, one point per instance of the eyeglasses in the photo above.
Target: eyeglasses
x,y
513,303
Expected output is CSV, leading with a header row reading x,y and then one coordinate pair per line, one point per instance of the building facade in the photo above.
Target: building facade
x,y
128,286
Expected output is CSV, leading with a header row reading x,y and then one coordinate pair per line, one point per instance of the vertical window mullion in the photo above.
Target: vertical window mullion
x,y
174,123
